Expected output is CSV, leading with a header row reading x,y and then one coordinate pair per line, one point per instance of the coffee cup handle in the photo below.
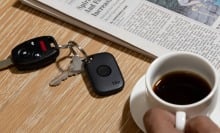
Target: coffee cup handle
x,y
180,120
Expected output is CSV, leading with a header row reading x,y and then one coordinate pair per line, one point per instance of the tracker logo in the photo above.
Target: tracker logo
x,y
115,82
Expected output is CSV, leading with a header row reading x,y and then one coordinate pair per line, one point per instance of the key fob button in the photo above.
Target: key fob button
x,y
37,54
23,53
103,70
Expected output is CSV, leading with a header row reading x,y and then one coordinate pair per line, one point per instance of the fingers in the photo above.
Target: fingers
x,y
159,121
201,124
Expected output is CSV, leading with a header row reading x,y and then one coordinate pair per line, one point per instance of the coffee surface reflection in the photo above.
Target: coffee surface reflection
x,y
181,88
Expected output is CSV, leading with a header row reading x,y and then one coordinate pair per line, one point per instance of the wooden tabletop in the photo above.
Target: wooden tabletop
x,y
29,104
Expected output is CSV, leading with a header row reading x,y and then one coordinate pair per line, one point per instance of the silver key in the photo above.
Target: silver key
x,y
57,80
76,66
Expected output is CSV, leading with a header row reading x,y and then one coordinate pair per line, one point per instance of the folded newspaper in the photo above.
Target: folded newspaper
x,y
151,27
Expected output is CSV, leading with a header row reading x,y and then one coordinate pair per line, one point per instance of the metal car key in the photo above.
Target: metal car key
x,y
33,54
75,68
104,74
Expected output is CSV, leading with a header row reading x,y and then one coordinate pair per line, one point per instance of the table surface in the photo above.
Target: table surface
x,y
29,104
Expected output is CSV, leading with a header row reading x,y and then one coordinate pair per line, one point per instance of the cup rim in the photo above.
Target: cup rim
x,y
171,54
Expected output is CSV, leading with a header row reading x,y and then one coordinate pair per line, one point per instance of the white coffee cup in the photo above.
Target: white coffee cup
x,y
182,61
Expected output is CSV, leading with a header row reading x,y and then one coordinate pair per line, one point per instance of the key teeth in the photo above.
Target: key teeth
x,y
70,74
57,80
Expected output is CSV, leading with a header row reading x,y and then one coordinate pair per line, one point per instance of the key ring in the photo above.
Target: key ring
x,y
73,44
71,51
70,46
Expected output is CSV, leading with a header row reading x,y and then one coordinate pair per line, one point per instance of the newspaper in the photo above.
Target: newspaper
x,y
153,27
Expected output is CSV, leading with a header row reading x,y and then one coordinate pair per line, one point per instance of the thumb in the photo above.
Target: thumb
x,y
159,121
201,124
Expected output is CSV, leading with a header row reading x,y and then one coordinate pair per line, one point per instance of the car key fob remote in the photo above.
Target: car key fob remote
x,y
35,53
104,74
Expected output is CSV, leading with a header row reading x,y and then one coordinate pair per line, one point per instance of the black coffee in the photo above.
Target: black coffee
x,y
181,88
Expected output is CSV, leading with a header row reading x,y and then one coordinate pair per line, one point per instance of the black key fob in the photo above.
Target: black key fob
x,y
104,74
35,53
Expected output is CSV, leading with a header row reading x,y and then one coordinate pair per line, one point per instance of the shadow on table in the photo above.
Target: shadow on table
x,y
127,123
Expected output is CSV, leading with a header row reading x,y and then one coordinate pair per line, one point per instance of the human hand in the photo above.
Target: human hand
x,y
201,124
160,121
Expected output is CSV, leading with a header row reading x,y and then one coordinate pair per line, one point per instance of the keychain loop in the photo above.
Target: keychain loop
x,y
70,46
73,44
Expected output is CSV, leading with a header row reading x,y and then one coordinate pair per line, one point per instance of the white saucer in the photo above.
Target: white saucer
x,y
139,104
